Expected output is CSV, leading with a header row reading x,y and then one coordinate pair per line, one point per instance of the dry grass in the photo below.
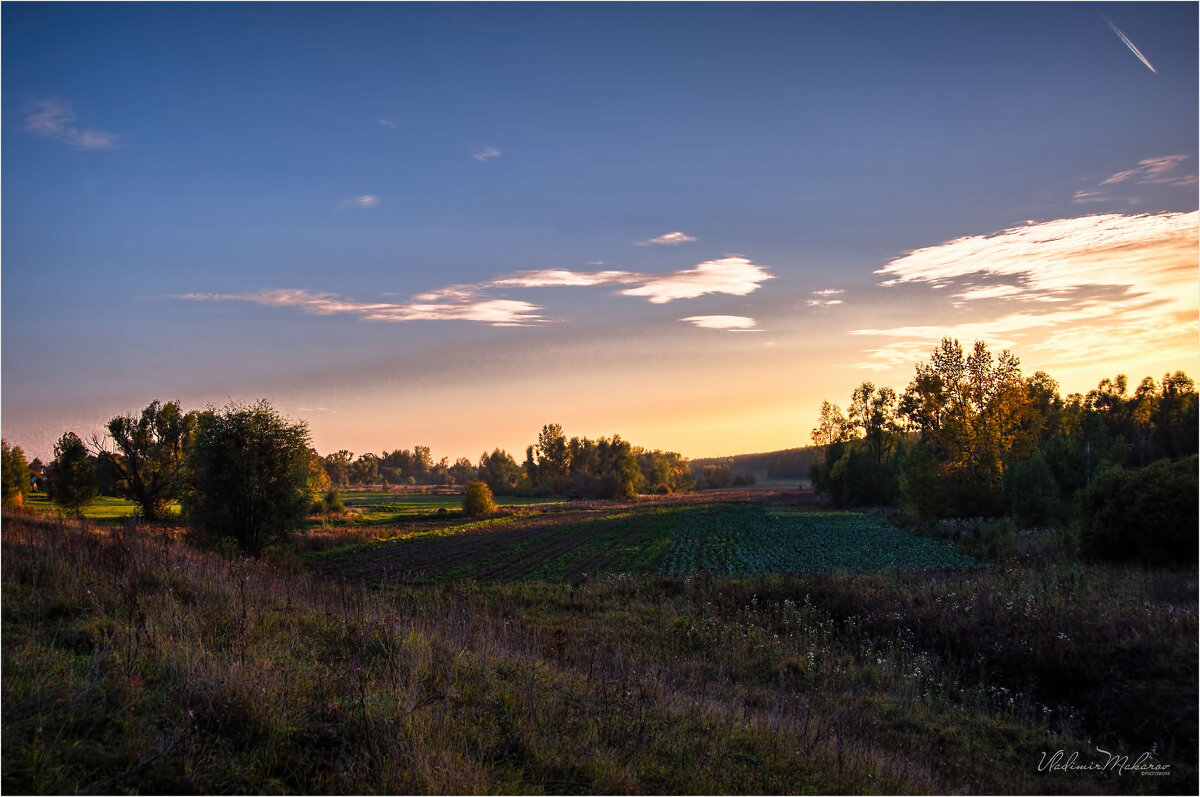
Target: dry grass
x,y
134,662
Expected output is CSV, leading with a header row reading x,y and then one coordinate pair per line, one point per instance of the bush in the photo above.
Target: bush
x,y
249,470
1033,493
1146,515
477,500
72,479
330,503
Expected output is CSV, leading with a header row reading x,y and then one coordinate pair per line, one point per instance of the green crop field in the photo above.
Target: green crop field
x,y
747,540
723,539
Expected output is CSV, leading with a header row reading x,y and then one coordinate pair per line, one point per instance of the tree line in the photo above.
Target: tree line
x,y
247,472
972,436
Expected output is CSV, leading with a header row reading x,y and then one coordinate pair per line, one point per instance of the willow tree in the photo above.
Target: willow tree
x,y
149,455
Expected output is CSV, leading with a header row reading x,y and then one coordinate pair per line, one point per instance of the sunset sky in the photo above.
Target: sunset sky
x,y
687,224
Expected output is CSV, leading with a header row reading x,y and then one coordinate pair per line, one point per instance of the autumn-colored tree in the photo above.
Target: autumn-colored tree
x,y
15,472
973,414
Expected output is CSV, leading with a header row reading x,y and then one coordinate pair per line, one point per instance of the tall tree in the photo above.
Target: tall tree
x,y
554,461
873,413
149,454
972,414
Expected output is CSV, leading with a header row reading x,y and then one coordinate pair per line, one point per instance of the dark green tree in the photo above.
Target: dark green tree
x,y
1144,515
462,471
249,471
553,459
365,470
500,471
149,455
72,475
337,468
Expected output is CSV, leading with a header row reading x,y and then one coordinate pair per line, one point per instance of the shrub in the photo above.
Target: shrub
x,y
1146,515
249,472
331,503
477,500
72,479
1033,493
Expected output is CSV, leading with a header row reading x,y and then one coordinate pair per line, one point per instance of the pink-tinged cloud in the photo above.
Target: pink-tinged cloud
x,y
563,278
1162,171
1151,171
55,118
1103,286
668,239
728,323
496,312
735,276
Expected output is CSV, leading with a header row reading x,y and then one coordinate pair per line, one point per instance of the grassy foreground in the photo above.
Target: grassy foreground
x,y
135,663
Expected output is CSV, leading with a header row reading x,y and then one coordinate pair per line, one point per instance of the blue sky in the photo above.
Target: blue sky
x,y
688,224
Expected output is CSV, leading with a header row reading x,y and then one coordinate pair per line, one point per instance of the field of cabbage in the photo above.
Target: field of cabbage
x,y
749,540
723,539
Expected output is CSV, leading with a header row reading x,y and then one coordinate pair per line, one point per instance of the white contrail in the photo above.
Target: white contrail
x,y
1133,48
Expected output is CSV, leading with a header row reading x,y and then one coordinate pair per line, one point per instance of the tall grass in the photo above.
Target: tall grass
x,y
133,662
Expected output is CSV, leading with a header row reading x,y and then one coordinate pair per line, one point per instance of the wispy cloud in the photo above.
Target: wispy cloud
x,y
1162,171
496,312
1091,287
387,123
668,239
728,323
825,298
55,118
487,153
364,202
1155,171
735,276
